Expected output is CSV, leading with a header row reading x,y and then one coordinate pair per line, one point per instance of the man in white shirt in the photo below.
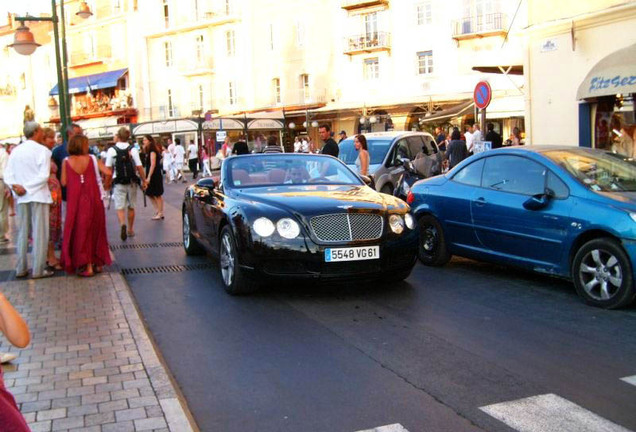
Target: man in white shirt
x,y
193,159
5,192
477,138
125,187
27,173
470,141
179,157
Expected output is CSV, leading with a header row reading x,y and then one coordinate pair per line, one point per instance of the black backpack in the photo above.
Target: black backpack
x,y
125,170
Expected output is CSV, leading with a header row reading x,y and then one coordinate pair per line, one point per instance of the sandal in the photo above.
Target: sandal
x,y
86,273
98,269
57,266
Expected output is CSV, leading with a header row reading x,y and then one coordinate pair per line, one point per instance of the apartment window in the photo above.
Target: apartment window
x,y
228,7
304,87
201,97
231,43
300,33
271,37
371,69
166,12
116,6
200,49
167,47
90,46
276,90
170,104
425,62
232,93
371,25
195,8
424,13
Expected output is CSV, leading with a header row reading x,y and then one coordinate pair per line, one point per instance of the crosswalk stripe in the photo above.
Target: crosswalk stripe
x,y
388,428
630,380
548,413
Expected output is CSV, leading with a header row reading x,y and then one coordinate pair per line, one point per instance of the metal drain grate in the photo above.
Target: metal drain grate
x,y
145,245
166,269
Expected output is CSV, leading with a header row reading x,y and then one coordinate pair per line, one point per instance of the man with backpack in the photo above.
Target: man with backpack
x,y
128,175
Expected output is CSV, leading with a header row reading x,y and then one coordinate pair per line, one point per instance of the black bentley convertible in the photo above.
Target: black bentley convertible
x,y
296,216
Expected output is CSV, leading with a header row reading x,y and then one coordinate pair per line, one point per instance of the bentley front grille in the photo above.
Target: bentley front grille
x,y
342,227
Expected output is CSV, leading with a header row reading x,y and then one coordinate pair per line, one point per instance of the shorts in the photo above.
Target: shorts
x,y
178,165
125,195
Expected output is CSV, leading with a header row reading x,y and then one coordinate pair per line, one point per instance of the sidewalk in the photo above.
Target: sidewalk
x,y
90,365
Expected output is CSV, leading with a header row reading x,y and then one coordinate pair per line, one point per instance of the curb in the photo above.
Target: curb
x,y
178,416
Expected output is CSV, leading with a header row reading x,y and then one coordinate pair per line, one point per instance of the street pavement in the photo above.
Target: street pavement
x,y
470,346
466,347
90,365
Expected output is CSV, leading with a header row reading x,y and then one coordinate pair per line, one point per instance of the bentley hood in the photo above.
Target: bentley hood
x,y
322,199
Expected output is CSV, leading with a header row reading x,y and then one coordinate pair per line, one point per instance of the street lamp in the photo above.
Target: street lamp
x,y
24,44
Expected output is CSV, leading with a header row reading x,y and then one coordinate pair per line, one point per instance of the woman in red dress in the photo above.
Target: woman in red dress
x,y
84,243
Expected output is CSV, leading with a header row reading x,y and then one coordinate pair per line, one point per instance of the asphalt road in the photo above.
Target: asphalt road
x,y
429,354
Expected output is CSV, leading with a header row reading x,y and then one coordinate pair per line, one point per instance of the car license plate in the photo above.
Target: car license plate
x,y
352,253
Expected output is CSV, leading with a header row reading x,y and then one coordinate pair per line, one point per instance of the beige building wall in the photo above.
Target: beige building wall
x,y
561,50
22,81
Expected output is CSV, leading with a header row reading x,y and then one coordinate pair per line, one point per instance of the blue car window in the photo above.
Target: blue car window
x,y
514,174
556,185
470,174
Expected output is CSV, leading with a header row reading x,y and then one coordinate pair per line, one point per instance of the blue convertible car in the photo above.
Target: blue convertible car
x,y
564,211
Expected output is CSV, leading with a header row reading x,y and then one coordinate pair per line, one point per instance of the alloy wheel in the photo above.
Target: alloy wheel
x,y
429,239
600,274
227,260
186,230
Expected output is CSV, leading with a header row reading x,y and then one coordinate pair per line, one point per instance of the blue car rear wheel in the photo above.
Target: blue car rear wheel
x,y
602,274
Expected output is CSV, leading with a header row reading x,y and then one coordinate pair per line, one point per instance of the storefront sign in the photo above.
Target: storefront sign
x,y
169,126
267,124
228,124
221,135
617,83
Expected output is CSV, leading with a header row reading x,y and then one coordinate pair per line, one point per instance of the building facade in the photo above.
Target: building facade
x,y
581,72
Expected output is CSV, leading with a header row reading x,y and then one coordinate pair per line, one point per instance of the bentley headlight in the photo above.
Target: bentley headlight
x,y
408,220
397,223
263,227
288,228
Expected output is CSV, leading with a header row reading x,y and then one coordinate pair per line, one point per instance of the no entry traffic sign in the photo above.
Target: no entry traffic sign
x,y
482,94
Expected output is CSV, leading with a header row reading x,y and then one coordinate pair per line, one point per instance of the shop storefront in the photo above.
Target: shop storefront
x,y
186,130
251,128
606,108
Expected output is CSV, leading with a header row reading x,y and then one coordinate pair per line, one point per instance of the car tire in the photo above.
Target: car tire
x,y
387,189
432,249
602,274
190,243
234,280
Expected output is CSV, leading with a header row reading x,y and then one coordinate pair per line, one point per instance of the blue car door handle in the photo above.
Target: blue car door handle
x,y
480,202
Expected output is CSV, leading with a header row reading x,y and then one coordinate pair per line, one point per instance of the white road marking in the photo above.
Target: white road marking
x,y
630,380
388,428
548,413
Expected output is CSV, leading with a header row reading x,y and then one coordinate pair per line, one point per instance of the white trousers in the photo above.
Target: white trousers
x,y
33,217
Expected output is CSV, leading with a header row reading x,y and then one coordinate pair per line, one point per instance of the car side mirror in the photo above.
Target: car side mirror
x,y
206,183
538,202
368,180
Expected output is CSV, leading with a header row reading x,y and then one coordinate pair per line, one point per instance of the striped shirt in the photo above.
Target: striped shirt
x,y
273,149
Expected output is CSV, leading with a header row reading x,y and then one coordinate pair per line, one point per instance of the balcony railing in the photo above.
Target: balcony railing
x,y
359,4
199,67
368,42
100,103
79,58
480,26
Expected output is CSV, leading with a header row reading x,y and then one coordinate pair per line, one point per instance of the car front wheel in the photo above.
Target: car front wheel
x,y
602,274
233,277
190,244
432,250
